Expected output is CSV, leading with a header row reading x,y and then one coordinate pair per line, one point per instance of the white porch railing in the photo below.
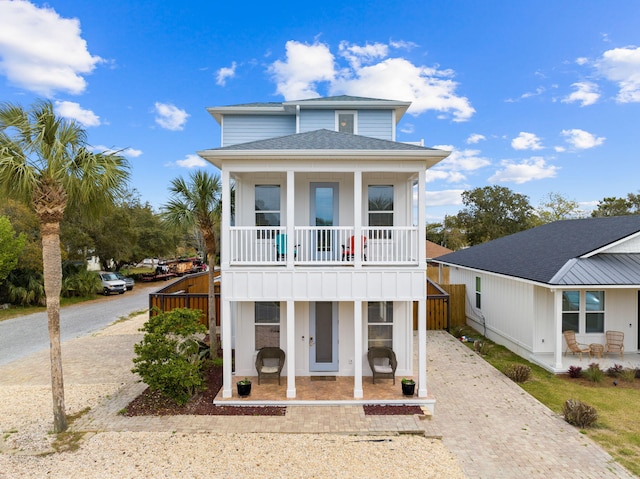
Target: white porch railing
x,y
331,245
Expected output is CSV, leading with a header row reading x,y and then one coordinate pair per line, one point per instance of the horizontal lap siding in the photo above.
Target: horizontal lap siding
x,y
312,120
242,128
376,124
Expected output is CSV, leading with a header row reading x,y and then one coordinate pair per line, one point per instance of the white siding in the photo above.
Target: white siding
x,y
376,124
243,128
630,246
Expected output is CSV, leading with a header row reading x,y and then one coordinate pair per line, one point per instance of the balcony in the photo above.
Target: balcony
x,y
324,246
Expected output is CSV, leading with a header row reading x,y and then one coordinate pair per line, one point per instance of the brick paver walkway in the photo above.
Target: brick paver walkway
x,y
494,428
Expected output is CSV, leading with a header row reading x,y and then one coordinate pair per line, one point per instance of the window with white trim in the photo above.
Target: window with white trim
x,y
267,208
380,210
583,311
478,292
380,323
267,324
346,122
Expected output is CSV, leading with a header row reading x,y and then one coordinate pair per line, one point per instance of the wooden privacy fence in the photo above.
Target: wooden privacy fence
x,y
190,291
445,306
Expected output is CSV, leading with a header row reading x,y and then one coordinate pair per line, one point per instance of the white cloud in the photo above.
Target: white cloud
x,y
192,161
407,128
170,117
453,168
444,197
368,72
225,73
581,139
74,111
305,66
475,138
41,51
582,60
622,65
128,152
526,141
535,168
539,91
586,94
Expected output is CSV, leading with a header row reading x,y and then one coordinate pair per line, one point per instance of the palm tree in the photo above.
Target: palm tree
x,y
45,164
197,204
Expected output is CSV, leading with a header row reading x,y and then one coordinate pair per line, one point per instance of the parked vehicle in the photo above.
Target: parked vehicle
x,y
111,283
129,282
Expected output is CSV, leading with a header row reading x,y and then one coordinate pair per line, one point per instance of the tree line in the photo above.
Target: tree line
x,y
491,212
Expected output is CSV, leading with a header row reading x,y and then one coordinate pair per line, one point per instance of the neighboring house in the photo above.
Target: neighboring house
x,y
525,289
310,178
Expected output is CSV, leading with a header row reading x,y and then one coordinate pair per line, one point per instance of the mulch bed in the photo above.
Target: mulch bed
x,y
391,410
152,403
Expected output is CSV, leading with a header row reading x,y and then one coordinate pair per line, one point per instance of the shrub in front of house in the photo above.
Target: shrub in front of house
x,y
615,371
518,373
575,372
594,373
170,359
579,414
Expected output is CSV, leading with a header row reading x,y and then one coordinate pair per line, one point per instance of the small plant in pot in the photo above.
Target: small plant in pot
x,y
408,386
244,387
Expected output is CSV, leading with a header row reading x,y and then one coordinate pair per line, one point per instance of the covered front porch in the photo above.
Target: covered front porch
x,y
328,390
548,361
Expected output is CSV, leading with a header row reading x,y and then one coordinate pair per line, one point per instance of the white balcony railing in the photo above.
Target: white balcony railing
x,y
331,245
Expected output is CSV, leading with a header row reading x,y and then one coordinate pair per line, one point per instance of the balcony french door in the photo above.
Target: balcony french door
x,y
324,213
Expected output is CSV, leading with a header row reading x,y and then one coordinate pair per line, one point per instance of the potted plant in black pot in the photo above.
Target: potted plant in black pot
x,y
244,387
408,387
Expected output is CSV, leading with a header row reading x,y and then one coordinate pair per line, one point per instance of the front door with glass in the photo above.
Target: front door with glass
x,y
323,337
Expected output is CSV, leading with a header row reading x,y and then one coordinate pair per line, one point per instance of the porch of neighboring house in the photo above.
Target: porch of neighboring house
x,y
547,361
328,390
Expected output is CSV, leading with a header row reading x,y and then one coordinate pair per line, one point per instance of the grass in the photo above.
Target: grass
x,y
14,311
618,427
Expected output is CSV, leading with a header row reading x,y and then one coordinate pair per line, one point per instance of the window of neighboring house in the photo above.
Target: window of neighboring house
x,y
594,311
267,324
380,207
346,122
571,311
267,208
380,323
478,292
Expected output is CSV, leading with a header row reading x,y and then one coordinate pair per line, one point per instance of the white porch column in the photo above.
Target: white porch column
x,y
227,386
290,219
557,324
226,220
422,346
291,350
422,219
357,349
357,218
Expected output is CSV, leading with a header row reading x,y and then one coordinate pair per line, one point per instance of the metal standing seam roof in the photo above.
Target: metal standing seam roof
x,y
553,253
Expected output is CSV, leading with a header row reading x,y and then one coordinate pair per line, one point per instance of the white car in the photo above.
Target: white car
x,y
111,283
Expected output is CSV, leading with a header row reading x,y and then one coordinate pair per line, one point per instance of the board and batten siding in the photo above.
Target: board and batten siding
x,y
244,128
507,306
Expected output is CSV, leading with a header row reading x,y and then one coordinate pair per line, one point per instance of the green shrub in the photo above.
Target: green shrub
x,y
628,375
594,373
518,373
170,357
579,414
82,283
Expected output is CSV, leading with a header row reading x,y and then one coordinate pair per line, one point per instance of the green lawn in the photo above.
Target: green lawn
x,y
618,427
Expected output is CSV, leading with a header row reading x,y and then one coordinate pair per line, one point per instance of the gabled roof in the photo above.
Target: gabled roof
x,y
559,253
434,250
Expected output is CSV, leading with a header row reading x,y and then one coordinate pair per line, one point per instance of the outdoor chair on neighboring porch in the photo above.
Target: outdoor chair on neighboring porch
x,y
281,247
383,363
574,346
269,362
615,343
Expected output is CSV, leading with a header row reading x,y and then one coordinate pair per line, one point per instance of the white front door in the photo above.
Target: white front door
x,y
323,336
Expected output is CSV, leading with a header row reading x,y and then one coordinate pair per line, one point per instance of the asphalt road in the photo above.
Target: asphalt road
x,y
25,335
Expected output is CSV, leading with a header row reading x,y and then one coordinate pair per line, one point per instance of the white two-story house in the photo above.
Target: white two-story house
x,y
323,233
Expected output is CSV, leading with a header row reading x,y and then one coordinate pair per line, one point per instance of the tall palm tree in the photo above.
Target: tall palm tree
x,y
45,164
196,204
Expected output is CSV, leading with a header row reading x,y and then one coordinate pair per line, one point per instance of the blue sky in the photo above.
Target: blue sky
x,y
538,96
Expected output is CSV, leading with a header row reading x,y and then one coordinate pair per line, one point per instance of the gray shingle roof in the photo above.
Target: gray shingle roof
x,y
551,253
323,140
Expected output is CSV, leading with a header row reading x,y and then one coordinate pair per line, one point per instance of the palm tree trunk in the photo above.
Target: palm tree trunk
x,y
210,243
52,265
